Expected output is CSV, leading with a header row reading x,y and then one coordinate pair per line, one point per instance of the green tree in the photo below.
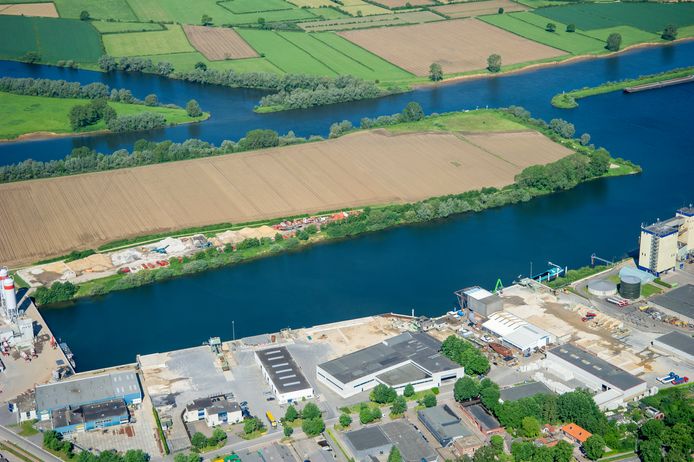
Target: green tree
x,y
585,139
365,415
412,112
191,457
193,109
151,100
135,455
206,20
313,427
679,439
551,27
429,400
571,28
490,397
652,430
31,57
84,15
530,427
614,41
259,139
250,425
435,72
563,451
408,391
394,455
494,63
291,414
345,420
288,430
218,435
497,443
399,406
199,441
200,66
466,388
501,10
650,451
594,447
522,451
261,23
670,32
310,411
383,394
376,413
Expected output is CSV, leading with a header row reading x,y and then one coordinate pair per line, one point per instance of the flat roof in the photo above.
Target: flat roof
x,y
664,228
478,293
367,438
443,424
404,374
678,341
277,453
689,211
609,373
417,347
484,418
105,410
214,404
679,300
86,390
284,372
524,391
412,445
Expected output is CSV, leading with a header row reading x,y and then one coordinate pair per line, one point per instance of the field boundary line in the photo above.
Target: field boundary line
x,y
297,46
342,53
540,27
219,3
462,137
481,18
377,56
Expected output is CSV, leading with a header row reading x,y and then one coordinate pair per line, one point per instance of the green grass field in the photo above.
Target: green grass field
x,y
483,120
53,39
321,53
101,9
21,114
630,35
328,13
107,27
532,26
187,61
254,6
650,17
172,40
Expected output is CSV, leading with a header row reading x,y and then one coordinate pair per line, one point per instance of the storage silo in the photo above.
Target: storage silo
x,y
602,288
630,287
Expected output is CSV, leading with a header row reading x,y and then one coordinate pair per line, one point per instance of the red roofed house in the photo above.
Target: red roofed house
x,y
576,433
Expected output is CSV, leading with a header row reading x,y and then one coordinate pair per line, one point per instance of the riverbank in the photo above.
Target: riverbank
x,y
586,163
36,117
568,100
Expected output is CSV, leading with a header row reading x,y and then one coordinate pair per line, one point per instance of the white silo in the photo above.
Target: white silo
x,y
10,298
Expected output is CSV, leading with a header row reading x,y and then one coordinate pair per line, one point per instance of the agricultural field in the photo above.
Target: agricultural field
x,y
312,3
102,9
54,216
217,43
357,7
321,53
54,39
44,10
327,13
532,27
254,6
171,40
459,46
403,3
187,61
470,9
109,27
22,114
630,35
381,20
650,17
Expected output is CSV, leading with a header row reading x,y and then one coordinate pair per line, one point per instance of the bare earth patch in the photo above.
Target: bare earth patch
x,y
43,218
46,10
458,46
464,10
219,43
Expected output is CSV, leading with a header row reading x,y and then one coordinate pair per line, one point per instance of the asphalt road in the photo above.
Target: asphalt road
x,y
28,446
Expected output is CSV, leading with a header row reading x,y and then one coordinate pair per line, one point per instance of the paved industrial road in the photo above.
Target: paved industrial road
x,y
28,446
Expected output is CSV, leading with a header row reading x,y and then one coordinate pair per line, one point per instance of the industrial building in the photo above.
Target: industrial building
x,y
484,420
408,358
16,330
664,243
88,402
678,302
374,442
283,374
677,343
517,333
479,301
614,386
215,410
443,424
525,390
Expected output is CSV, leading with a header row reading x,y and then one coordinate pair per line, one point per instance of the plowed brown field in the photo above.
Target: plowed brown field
x,y
43,218
46,10
218,43
458,46
464,10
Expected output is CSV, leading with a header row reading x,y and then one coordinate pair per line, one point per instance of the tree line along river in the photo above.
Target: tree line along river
x,y
414,267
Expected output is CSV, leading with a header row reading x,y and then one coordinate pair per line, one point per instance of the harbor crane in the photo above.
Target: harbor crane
x,y
594,257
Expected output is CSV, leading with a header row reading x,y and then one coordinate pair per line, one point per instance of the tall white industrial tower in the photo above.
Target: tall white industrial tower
x,y
8,297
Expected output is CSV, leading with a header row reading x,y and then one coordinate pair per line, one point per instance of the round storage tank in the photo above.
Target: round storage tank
x,y
602,288
630,287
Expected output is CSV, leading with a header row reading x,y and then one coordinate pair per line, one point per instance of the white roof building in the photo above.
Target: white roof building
x,y
516,332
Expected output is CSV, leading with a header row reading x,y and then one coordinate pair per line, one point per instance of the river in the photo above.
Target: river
x,y
413,267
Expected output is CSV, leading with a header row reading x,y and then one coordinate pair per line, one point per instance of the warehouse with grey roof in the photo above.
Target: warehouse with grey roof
x,y
677,343
284,375
408,358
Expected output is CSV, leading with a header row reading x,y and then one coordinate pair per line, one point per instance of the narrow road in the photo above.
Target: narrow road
x,y
28,446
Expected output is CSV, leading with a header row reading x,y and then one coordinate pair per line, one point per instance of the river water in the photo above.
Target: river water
x,y
413,267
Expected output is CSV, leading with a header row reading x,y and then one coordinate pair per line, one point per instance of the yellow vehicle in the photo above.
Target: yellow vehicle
x,y
271,419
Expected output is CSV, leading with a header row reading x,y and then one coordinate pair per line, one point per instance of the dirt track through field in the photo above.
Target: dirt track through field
x,y
45,10
217,43
43,218
458,46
